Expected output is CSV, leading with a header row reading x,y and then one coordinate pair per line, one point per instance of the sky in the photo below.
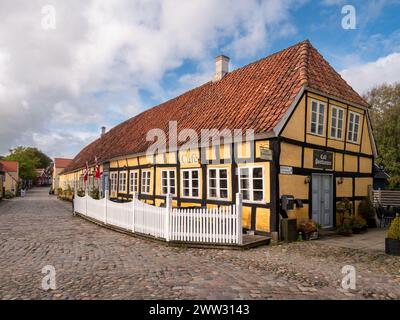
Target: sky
x,y
69,67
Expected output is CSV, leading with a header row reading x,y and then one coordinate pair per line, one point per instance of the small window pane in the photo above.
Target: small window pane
x,y
223,183
244,183
258,195
257,173
213,183
213,193
257,184
213,173
223,173
224,193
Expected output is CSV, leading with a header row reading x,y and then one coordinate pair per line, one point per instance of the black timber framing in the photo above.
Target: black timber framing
x,y
274,185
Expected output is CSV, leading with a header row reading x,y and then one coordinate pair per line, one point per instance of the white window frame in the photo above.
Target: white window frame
x,y
122,180
317,123
336,126
218,187
351,133
133,181
250,188
169,186
190,171
143,178
113,181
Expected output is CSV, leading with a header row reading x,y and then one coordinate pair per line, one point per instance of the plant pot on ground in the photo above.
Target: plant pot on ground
x,y
367,212
358,225
392,242
345,229
308,229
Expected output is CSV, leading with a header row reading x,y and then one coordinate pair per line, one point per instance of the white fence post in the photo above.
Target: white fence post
x,y
239,199
168,208
86,197
134,199
105,206
75,200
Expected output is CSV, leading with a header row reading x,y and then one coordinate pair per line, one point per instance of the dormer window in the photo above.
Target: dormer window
x,y
317,117
354,125
337,123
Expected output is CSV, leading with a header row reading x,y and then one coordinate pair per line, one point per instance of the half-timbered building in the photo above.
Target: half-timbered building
x,y
312,144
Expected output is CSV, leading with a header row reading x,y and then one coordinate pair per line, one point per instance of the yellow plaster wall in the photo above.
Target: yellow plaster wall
x,y
345,189
295,127
361,186
293,185
290,155
350,163
262,219
246,217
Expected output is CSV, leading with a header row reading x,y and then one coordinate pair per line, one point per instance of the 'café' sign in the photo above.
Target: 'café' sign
x,y
189,158
323,159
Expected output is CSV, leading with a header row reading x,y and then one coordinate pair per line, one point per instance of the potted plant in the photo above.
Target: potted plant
x,y
308,230
95,193
342,207
81,192
345,229
367,212
359,225
392,242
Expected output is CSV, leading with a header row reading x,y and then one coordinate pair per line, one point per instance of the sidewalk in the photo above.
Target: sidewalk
x,y
372,241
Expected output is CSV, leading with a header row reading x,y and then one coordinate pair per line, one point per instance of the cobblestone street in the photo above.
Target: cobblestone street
x,y
92,262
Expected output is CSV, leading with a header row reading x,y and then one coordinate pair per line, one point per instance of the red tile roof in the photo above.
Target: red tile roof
x,y
252,97
62,162
9,166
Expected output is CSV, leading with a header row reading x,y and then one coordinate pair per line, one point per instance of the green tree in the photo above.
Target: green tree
x,y
29,159
385,117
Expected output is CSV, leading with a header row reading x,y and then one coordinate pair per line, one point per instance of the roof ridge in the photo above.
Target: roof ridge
x,y
304,57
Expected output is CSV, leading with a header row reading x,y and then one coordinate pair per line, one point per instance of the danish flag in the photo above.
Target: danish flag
x,y
97,173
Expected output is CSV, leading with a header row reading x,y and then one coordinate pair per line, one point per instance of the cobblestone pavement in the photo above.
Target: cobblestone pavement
x,y
92,262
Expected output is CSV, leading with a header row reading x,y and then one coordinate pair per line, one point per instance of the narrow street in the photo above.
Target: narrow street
x,y
92,262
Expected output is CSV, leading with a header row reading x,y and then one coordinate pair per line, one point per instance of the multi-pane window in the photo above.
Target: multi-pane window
x,y
317,117
190,183
168,182
354,124
113,178
146,181
122,182
218,183
133,181
337,123
251,181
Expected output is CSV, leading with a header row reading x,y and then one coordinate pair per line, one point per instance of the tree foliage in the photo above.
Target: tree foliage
x,y
29,159
385,117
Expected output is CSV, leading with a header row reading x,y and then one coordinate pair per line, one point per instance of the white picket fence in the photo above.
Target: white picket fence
x,y
220,225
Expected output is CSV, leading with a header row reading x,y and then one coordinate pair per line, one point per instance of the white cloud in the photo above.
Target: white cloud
x,y
365,76
89,70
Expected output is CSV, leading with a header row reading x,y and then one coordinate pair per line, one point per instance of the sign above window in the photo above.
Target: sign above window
x,y
265,153
286,170
322,159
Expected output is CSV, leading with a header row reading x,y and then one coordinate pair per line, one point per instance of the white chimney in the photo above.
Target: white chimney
x,y
221,67
103,131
